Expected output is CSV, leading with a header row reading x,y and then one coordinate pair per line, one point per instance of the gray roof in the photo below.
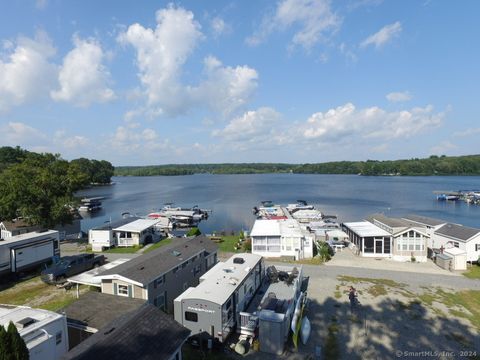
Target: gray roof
x,y
146,333
148,267
424,220
462,233
391,222
117,223
96,310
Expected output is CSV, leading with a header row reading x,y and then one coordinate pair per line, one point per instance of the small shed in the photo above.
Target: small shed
x,y
459,258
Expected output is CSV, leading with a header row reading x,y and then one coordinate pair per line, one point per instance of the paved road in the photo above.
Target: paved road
x,y
414,280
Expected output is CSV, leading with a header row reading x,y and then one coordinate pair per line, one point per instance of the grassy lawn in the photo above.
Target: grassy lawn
x,y
37,294
158,244
228,243
473,272
123,250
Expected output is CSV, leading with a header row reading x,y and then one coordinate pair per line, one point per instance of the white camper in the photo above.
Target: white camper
x,y
25,251
44,332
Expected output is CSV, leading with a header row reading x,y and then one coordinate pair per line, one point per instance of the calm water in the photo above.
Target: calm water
x,y
232,197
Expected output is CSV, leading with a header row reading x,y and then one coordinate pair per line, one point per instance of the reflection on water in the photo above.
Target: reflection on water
x,y
232,197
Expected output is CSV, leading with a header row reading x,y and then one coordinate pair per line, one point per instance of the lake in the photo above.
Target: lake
x,y
232,197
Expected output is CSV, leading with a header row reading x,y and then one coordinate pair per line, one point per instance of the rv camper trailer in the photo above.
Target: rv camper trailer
x,y
26,251
214,306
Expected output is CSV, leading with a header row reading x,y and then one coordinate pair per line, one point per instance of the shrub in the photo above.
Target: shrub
x,y
195,231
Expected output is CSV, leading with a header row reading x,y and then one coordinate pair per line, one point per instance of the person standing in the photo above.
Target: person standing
x,y
352,296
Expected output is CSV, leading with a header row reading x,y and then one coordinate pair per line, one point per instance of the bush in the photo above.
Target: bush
x,y
247,245
12,346
195,231
325,251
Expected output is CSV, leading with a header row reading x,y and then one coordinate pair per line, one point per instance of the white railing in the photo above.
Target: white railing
x,y
248,323
125,242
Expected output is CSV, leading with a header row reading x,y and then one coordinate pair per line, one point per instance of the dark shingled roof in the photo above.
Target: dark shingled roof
x,y
392,222
19,224
459,232
117,223
148,267
147,333
97,310
424,220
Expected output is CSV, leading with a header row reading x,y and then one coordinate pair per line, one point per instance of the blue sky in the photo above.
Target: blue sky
x,y
296,81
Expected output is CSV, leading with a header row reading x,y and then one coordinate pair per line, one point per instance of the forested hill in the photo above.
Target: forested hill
x,y
40,187
434,165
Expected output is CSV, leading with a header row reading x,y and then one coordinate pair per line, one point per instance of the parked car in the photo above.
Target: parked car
x,y
68,266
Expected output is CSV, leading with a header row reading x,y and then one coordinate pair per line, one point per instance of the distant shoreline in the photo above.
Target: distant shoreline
x,y
468,165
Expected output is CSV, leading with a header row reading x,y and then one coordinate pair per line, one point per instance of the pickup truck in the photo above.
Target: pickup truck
x,y
57,273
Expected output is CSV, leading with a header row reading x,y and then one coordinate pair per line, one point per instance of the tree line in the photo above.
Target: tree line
x,y
40,187
12,346
433,165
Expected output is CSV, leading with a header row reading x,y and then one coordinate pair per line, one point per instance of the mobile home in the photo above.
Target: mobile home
x,y
44,332
214,306
25,251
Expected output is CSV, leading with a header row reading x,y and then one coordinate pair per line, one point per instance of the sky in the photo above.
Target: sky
x,y
293,81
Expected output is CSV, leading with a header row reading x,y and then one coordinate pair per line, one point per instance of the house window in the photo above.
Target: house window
x,y
191,316
160,301
122,290
456,244
196,270
477,247
159,281
58,337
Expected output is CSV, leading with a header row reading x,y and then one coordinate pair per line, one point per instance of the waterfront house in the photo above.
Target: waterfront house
x,y
281,237
143,333
103,237
138,232
369,239
409,240
162,274
431,225
463,237
44,332
214,306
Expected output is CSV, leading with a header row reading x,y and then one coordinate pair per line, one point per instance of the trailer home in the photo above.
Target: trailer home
x,y
44,332
214,306
26,251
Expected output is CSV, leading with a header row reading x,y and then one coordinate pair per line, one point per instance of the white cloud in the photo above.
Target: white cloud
x,y
399,96
131,138
314,19
226,88
250,127
442,148
41,4
467,132
18,133
347,122
383,36
26,74
219,27
83,78
161,53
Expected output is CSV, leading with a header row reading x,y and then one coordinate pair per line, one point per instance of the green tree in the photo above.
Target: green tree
x,y
195,231
18,348
4,344
40,189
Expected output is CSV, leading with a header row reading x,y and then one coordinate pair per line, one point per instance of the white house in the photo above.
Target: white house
x,y
282,237
138,232
102,237
409,240
369,239
430,224
462,237
44,332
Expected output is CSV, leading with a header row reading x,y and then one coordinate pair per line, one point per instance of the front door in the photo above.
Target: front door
x,y
379,246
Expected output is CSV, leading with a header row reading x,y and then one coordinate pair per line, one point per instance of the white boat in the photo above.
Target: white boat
x,y
305,330
90,204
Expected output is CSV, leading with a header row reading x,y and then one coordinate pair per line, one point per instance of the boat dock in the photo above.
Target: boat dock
x,y
468,196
